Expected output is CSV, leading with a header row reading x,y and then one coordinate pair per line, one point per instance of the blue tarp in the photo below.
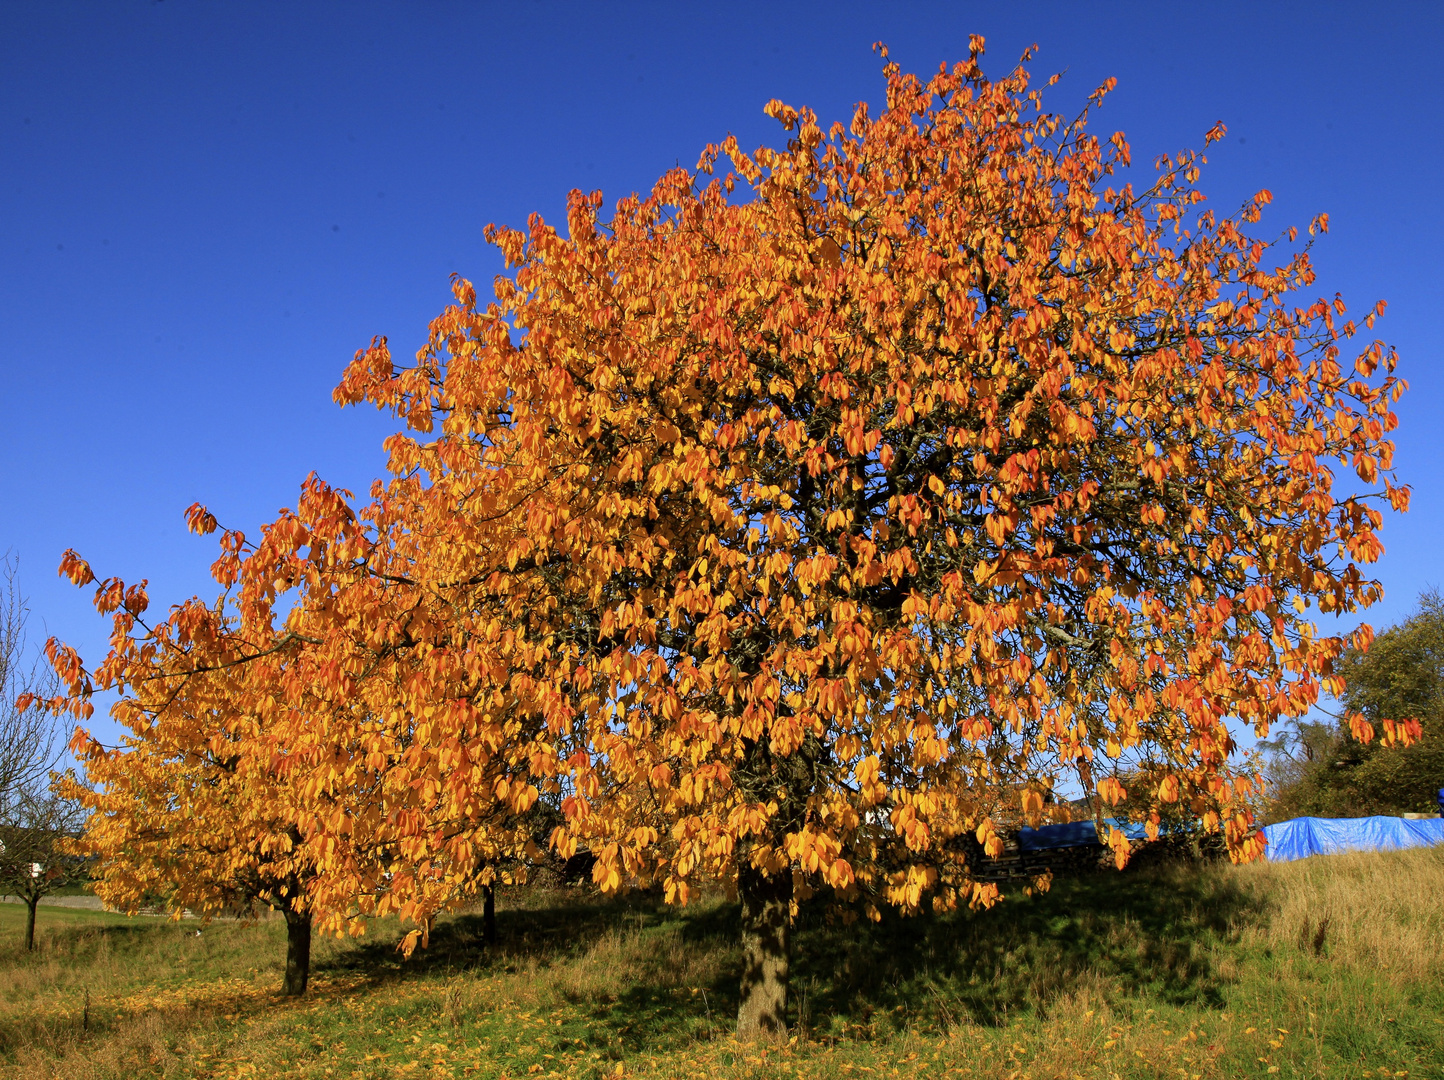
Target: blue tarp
x,y
1075,834
1287,840
1305,836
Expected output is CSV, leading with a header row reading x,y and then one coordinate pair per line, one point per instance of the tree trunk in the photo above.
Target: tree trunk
x,y
766,952
488,915
31,903
298,952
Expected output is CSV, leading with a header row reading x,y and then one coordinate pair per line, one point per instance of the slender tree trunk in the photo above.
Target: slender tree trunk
x,y
766,953
488,915
31,903
298,952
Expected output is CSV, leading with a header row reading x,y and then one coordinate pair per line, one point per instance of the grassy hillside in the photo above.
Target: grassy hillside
x,y
1327,967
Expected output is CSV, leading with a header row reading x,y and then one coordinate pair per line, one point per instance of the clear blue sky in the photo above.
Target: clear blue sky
x,y
207,207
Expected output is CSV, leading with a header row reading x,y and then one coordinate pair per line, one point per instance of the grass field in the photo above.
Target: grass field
x,y
1181,973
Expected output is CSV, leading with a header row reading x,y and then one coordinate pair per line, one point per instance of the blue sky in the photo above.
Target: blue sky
x,y
208,207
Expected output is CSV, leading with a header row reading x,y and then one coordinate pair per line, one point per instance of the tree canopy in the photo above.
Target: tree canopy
x,y
805,522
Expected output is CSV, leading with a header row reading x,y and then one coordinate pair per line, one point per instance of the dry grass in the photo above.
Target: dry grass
x,y
1369,912
109,996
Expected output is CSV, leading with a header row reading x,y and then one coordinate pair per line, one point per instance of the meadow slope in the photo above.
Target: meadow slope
x,y
1331,967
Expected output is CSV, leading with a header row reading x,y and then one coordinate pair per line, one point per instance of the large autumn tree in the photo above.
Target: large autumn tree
x,y
801,527
839,507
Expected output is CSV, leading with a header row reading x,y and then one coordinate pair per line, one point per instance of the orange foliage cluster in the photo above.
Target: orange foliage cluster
x,y
826,511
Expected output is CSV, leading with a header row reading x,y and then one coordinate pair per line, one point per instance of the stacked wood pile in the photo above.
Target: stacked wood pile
x,y
1015,864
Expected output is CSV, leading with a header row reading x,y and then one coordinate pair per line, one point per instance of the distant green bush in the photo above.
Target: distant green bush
x,y
1317,769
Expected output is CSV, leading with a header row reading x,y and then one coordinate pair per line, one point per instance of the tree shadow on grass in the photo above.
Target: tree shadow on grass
x,y
527,936
1148,933
628,973
633,973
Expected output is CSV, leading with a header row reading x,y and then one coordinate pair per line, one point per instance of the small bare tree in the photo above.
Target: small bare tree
x,y
34,820
33,831
27,736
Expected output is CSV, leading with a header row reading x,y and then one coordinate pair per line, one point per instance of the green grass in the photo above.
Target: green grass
x,y
1219,972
